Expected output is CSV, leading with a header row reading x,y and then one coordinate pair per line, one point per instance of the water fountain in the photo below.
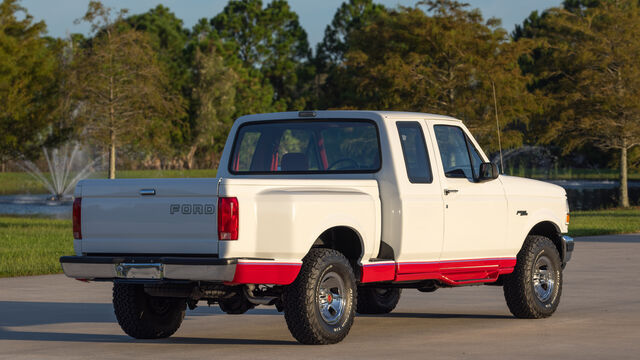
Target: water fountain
x,y
61,162
67,165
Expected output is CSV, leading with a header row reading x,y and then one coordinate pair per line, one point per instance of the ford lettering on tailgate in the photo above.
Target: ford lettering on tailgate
x,y
192,209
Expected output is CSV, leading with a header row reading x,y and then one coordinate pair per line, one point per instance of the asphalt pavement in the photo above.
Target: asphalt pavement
x,y
54,317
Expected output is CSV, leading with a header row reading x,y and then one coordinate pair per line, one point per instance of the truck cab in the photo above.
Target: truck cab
x,y
324,214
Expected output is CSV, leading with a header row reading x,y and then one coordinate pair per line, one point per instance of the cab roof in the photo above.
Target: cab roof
x,y
346,114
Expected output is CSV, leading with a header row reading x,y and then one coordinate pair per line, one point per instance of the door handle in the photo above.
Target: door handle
x,y
448,191
146,192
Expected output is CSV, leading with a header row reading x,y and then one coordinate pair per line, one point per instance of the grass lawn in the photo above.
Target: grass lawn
x,y
14,183
601,222
32,246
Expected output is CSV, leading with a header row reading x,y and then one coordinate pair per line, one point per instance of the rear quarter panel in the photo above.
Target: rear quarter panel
x,y
280,218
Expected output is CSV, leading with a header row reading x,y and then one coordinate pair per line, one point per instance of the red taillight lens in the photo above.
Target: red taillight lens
x,y
228,218
77,218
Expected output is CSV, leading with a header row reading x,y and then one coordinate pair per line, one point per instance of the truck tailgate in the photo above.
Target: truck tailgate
x,y
149,216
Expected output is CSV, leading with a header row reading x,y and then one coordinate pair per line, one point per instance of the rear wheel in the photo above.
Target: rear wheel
x,y
377,300
319,306
533,290
146,317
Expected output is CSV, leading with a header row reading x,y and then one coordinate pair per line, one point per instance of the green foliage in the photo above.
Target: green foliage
x,y
168,39
445,60
350,16
122,85
269,39
603,222
214,97
27,81
33,246
254,94
588,73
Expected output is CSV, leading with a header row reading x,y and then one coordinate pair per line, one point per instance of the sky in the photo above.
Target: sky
x,y
59,15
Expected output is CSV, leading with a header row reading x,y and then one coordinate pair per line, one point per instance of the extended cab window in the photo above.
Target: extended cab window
x,y
414,149
322,146
460,158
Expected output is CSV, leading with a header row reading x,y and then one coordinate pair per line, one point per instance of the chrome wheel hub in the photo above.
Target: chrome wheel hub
x,y
544,278
331,301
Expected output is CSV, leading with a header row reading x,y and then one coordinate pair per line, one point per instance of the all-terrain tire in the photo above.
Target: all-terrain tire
x,y
533,290
319,306
145,317
377,300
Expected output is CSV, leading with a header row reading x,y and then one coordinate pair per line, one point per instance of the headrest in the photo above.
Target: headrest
x,y
295,162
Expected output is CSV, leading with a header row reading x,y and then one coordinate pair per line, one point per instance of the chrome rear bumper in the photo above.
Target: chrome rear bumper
x,y
148,268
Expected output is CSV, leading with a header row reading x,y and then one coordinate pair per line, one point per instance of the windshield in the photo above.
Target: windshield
x,y
321,146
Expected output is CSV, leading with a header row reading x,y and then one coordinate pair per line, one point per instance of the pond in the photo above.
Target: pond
x,y
38,205
596,194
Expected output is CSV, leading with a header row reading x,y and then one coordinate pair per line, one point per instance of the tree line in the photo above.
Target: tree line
x,y
146,89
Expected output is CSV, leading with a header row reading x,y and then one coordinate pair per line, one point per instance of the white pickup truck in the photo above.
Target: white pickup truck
x,y
322,214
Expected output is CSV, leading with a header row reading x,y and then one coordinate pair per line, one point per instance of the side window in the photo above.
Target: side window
x,y
414,149
454,152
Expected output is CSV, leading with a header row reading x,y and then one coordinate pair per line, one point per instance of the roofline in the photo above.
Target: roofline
x,y
324,114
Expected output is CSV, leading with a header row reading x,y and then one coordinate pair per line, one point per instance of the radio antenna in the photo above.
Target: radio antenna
x,y
495,105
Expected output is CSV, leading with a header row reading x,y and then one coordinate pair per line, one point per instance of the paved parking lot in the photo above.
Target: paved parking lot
x,y
47,317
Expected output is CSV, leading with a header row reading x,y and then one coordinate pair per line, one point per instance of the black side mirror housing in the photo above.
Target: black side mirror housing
x,y
488,171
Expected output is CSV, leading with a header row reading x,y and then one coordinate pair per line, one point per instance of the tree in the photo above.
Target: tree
x,y
350,16
445,60
269,39
121,84
27,82
593,86
214,96
168,38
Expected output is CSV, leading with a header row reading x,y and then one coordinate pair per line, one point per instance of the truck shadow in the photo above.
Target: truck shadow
x,y
438,316
18,313
124,339
22,314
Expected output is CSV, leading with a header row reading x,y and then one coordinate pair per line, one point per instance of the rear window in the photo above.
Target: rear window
x,y
306,147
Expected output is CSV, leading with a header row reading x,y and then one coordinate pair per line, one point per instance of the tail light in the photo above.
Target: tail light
x,y
77,218
228,218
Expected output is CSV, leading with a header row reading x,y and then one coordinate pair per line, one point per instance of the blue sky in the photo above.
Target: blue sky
x,y
314,15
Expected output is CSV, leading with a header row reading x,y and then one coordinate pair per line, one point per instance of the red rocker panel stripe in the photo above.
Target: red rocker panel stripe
x,y
266,273
449,271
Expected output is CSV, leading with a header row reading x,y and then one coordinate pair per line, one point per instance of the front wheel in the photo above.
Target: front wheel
x,y
142,316
319,307
533,290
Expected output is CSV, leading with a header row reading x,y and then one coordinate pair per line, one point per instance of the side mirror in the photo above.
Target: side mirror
x,y
488,171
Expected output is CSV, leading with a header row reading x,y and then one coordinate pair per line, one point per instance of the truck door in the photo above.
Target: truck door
x,y
475,212
422,210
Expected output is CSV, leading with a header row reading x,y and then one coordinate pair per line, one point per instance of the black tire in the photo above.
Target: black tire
x,y
326,275
377,300
533,289
146,317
